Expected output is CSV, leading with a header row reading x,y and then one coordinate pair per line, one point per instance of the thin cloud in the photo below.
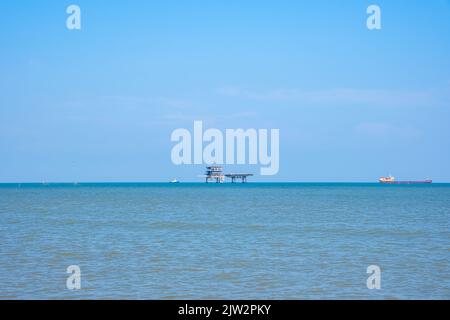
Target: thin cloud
x,y
386,130
128,101
343,96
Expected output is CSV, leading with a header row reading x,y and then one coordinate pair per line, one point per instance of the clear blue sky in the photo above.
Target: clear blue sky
x,y
100,104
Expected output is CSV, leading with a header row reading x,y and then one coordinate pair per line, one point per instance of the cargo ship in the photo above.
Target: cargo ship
x,y
391,180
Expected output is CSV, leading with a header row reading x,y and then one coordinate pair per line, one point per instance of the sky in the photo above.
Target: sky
x,y
99,104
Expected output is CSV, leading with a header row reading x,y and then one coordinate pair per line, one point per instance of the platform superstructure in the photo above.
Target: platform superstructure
x,y
215,174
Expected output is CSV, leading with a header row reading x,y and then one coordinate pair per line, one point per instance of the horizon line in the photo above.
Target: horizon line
x,y
199,182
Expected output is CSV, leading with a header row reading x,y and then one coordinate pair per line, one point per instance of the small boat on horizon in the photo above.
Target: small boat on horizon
x,y
391,180
174,181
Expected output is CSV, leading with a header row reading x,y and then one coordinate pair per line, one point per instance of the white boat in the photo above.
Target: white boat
x,y
174,181
389,179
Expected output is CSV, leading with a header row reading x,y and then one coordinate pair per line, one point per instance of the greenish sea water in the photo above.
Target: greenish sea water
x,y
198,241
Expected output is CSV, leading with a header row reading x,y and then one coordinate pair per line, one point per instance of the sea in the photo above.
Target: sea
x,y
224,241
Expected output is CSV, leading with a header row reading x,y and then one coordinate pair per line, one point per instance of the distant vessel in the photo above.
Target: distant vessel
x,y
391,180
174,181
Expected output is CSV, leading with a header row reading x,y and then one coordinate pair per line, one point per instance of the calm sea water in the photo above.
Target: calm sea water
x,y
254,241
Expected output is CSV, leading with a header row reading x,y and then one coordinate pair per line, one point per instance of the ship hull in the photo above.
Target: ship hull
x,y
408,182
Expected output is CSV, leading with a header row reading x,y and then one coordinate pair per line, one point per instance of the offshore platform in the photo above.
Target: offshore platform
x,y
215,174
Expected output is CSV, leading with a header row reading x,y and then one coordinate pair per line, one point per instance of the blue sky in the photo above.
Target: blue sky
x,y
99,104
